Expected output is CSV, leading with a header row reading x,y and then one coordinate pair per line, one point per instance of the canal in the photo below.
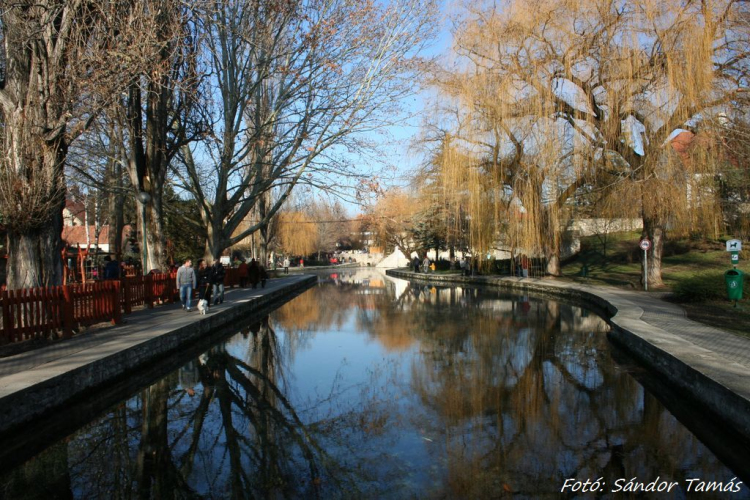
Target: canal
x,y
367,386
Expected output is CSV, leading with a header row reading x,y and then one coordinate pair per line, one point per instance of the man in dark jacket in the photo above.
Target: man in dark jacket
x,y
204,281
217,280
111,269
253,273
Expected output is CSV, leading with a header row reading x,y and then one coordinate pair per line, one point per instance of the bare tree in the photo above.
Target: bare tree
x,y
64,61
97,161
159,119
331,225
296,84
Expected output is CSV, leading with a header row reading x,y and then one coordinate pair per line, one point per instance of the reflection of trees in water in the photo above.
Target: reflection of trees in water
x,y
520,406
220,427
318,308
509,394
329,306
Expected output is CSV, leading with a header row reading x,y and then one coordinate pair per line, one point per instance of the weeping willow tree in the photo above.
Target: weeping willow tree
x,y
555,100
297,235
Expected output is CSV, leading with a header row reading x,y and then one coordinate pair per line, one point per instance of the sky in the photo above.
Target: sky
x,y
397,140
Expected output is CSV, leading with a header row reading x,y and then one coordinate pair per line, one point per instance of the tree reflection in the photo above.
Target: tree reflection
x,y
524,401
218,428
474,395
517,394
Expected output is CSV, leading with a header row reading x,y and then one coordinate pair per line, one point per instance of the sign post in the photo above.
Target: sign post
x,y
734,247
645,244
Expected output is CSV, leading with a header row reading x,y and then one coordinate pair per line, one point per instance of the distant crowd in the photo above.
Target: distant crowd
x,y
468,267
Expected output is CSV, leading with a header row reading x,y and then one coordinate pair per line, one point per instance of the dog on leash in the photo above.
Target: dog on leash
x,y
203,306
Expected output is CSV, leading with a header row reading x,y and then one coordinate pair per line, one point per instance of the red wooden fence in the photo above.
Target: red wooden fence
x,y
39,312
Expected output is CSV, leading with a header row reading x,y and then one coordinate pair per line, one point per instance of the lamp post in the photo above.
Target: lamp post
x,y
144,198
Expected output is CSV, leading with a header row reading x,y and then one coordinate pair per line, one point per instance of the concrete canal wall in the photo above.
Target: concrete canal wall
x,y
85,365
651,330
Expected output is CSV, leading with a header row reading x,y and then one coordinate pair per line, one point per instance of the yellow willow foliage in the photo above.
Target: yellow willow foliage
x,y
392,219
297,234
554,101
301,314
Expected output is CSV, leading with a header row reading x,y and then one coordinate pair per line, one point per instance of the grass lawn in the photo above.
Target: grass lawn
x,y
692,270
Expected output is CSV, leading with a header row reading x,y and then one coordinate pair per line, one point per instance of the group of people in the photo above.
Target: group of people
x,y
468,267
425,264
209,280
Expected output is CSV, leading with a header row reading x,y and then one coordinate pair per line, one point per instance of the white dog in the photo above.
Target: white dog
x,y
202,306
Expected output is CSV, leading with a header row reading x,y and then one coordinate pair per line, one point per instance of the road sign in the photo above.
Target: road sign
x,y
734,246
645,244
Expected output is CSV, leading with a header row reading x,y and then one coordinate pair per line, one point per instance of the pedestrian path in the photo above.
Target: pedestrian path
x,y
672,318
42,378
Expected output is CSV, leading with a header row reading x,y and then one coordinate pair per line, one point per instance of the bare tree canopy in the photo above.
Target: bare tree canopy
x,y
293,87
63,62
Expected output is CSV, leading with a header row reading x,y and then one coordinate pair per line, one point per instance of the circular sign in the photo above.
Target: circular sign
x,y
645,244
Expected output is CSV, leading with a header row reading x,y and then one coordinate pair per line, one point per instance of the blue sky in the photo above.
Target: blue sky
x,y
397,141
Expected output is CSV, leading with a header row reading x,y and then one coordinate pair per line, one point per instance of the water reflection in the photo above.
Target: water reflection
x,y
368,386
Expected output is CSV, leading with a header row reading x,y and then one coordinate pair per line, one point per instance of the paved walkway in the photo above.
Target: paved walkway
x,y
671,318
21,371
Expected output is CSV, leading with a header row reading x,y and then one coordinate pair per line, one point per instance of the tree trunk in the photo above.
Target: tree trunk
x,y
263,245
552,242
553,262
653,229
33,187
116,209
34,256
151,219
215,242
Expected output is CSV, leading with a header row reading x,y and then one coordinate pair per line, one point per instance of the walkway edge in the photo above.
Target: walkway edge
x,y
722,387
57,383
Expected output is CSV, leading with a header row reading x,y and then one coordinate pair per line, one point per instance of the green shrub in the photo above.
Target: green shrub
x,y
705,286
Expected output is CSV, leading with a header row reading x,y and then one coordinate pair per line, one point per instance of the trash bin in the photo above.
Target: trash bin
x,y
733,279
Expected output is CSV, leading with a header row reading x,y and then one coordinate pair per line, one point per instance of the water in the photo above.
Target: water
x,y
370,387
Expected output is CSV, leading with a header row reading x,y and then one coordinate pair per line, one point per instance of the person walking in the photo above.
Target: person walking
x,y
217,282
242,273
186,281
286,265
253,273
204,282
415,263
426,265
111,269
263,277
